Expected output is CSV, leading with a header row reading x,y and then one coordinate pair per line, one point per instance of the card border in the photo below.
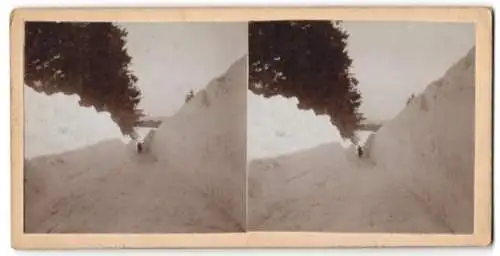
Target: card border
x,y
482,236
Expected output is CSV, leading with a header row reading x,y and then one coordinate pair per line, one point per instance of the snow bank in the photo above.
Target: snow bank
x,y
206,140
429,146
51,122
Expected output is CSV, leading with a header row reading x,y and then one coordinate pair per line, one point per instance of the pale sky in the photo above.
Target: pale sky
x,y
171,58
391,60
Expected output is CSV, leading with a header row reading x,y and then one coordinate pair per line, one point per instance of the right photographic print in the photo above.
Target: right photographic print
x,y
361,126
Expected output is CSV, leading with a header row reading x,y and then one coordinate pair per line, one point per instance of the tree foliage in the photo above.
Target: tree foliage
x,y
307,60
86,59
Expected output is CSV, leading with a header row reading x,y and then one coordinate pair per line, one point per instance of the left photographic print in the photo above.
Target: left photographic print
x,y
135,127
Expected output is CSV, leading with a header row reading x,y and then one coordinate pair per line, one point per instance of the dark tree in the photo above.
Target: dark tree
x,y
86,59
307,60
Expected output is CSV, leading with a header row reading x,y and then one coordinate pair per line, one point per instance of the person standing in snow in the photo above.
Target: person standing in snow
x,y
135,137
360,151
139,147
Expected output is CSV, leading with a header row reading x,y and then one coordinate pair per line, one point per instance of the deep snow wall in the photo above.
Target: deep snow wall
x,y
206,141
429,146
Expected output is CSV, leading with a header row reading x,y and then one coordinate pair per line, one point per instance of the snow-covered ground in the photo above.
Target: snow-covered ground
x,y
55,124
417,177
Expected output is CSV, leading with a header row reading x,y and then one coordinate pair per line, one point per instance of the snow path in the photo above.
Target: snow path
x,y
126,199
356,198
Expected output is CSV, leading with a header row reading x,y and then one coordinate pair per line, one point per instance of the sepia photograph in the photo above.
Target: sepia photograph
x,y
361,126
135,127
153,128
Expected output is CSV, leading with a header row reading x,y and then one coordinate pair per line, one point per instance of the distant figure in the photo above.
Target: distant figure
x,y
139,147
360,151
